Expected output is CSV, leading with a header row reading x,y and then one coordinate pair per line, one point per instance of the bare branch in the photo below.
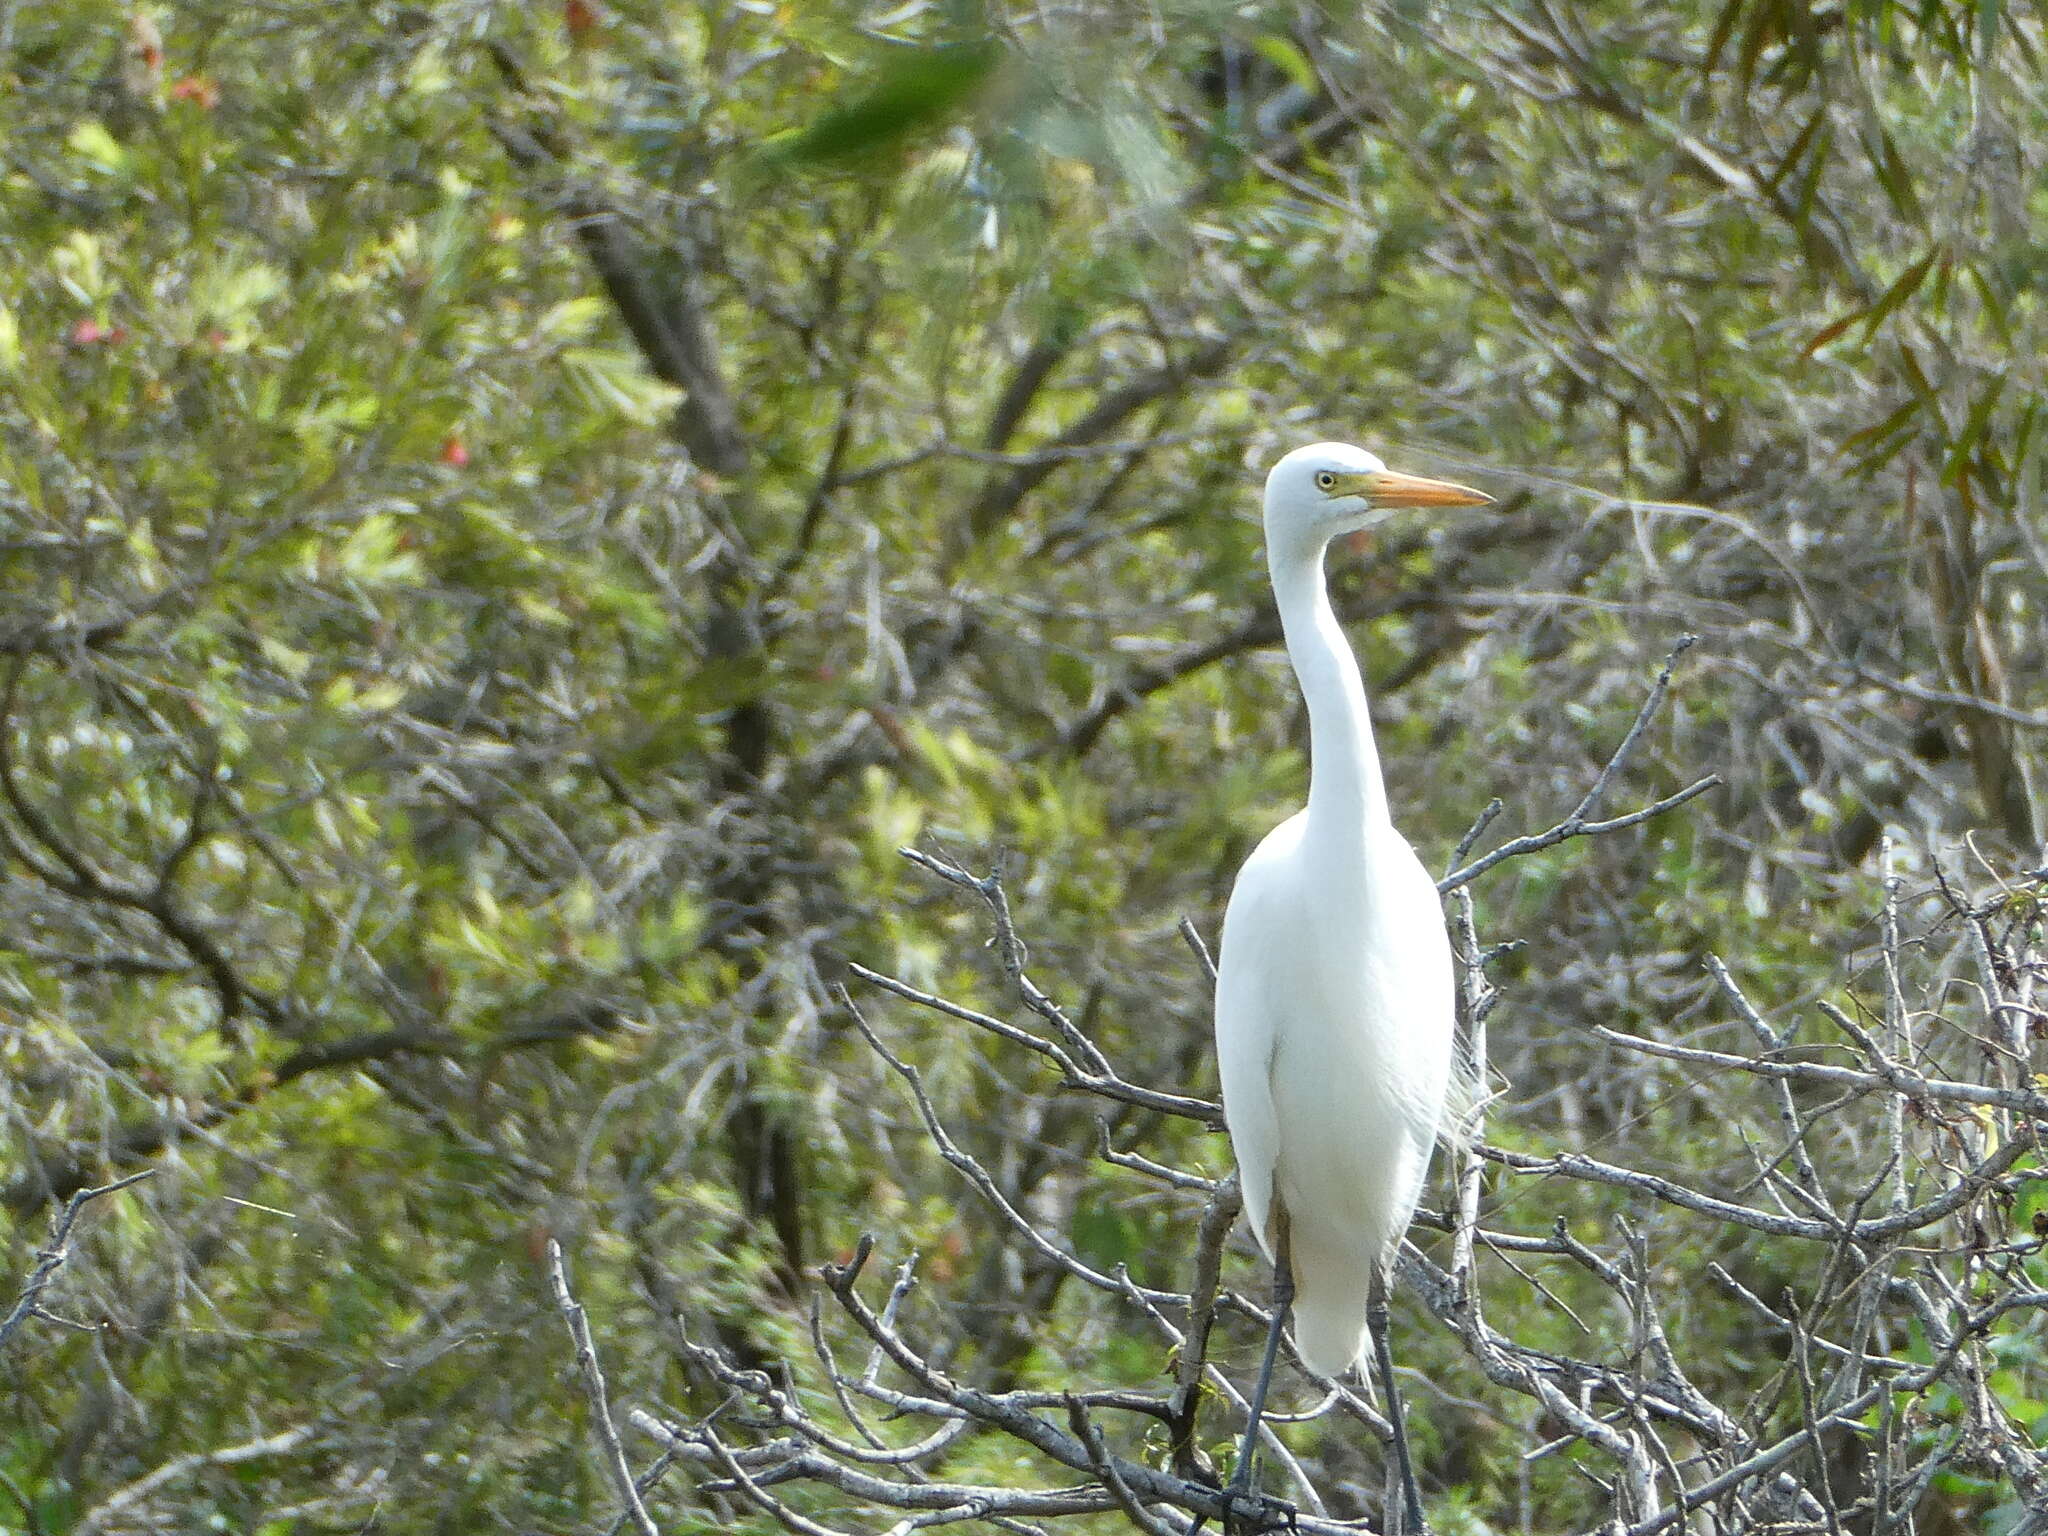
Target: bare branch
x,y
1580,822
592,1374
126,1498
50,1258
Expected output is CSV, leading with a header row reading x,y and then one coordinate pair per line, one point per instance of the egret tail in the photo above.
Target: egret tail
x,y
1331,1290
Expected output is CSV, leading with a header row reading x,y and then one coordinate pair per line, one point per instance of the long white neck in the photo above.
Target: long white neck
x,y
1346,793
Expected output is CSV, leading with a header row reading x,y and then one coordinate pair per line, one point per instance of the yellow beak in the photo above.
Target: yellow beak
x,y
1388,489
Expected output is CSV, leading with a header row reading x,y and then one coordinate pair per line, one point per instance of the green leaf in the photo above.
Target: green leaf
x,y
294,664
230,296
1281,53
618,381
1876,435
373,552
1988,13
1974,426
540,610
1889,166
76,261
573,319
1799,146
1830,332
91,140
915,93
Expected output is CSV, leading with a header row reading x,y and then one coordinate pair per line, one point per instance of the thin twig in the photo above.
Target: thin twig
x,y
51,1257
592,1373
1581,823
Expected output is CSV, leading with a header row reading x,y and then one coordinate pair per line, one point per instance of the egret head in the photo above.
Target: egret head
x,y
1327,489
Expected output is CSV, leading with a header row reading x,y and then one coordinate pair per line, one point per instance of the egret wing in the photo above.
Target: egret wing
x,y
1255,941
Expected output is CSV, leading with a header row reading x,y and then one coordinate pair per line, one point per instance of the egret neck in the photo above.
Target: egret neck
x,y
1347,794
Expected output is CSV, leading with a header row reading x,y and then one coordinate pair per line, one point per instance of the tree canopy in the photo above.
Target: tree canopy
x,y
513,518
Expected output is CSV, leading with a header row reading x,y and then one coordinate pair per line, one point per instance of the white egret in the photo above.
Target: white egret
x,y
1334,992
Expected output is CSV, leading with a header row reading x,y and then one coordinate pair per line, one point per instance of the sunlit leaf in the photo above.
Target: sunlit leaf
x,y
91,141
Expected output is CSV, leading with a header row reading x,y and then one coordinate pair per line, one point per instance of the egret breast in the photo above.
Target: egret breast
x,y
1361,1063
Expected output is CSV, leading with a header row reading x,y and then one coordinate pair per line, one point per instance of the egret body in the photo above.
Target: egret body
x,y
1334,1011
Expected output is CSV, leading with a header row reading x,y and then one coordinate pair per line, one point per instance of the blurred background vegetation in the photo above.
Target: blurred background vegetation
x,y
510,515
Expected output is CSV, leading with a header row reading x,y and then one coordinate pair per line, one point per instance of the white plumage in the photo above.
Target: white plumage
x,y
1334,1011
1333,1025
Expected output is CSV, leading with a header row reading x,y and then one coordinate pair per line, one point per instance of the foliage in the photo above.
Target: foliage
x,y
510,516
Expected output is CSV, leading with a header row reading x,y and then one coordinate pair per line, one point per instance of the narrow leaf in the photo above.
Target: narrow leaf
x,y
1903,288
914,93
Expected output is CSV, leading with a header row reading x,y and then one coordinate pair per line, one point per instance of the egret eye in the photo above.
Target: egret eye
x,y
1325,480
